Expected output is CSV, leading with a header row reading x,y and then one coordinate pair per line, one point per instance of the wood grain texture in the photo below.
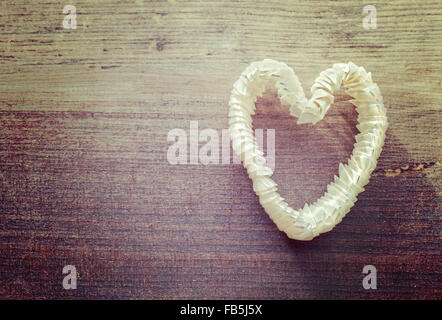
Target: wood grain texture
x,y
85,181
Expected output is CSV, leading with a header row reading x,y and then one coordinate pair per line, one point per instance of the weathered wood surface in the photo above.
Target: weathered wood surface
x,y
84,118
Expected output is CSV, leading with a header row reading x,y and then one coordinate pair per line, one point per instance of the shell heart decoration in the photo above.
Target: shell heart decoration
x,y
326,212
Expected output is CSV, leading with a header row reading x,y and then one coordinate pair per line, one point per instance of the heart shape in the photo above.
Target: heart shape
x,y
322,215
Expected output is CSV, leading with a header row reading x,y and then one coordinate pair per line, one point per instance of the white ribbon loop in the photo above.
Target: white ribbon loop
x,y
322,215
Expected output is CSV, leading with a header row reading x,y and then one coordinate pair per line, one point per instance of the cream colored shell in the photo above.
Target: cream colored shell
x,y
322,215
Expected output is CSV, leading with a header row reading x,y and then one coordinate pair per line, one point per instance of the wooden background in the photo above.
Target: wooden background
x,y
85,181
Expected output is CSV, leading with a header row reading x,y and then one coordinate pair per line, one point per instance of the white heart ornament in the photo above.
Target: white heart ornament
x,y
322,215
